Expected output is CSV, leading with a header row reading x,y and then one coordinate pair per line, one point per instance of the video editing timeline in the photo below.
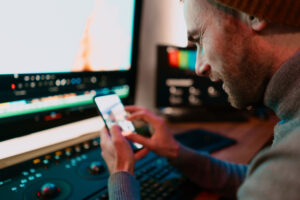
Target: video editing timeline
x,y
177,83
20,86
30,106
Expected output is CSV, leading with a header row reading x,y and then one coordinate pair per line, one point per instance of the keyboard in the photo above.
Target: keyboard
x,y
158,180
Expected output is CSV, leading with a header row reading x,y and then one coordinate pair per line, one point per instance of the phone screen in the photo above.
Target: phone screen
x,y
113,112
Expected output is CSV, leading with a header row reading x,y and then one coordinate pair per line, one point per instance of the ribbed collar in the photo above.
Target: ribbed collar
x,y
283,91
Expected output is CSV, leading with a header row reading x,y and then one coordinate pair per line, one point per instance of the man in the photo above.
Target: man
x,y
253,47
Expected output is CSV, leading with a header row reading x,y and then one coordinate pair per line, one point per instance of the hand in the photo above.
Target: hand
x,y
116,151
161,142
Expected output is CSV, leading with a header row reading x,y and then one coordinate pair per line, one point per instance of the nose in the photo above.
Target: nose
x,y
202,68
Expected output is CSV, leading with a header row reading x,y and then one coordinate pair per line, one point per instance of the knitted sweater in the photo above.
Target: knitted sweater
x,y
273,173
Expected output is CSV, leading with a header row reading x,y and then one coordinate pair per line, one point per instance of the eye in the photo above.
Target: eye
x,y
199,43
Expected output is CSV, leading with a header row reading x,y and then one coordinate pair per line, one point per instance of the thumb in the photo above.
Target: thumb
x,y
141,153
115,132
140,139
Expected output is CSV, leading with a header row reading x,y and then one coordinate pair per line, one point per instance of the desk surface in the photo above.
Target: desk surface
x,y
251,137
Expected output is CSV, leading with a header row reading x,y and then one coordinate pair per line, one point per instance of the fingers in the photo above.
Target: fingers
x,y
146,116
104,136
146,142
141,153
139,113
132,109
115,132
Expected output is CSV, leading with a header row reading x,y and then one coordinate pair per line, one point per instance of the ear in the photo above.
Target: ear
x,y
257,24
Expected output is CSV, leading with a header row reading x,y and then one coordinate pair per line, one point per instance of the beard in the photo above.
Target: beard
x,y
245,83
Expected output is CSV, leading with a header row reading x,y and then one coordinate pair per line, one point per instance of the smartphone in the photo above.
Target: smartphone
x,y
113,112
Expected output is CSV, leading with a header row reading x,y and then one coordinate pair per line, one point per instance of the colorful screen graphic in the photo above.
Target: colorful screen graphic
x,y
182,59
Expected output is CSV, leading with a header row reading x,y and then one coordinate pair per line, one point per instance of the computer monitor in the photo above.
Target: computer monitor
x,y
182,95
177,83
56,55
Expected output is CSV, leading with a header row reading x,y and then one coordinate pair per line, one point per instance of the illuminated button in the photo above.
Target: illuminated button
x,y
38,175
212,92
36,161
13,86
77,149
68,166
73,162
47,157
86,145
22,185
1,183
63,82
31,178
14,189
68,152
57,155
95,143
25,173
45,162
78,159
57,83
23,181
32,171
32,84
84,156
94,79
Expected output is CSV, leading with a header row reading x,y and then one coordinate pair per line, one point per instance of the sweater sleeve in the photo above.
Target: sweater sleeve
x,y
210,173
274,173
122,185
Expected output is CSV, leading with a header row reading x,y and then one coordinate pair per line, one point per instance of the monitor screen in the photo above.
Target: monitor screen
x,y
179,86
56,55
65,36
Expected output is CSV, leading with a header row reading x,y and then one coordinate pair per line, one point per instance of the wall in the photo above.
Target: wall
x,y
162,23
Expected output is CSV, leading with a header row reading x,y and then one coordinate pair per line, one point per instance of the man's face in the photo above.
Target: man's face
x,y
226,52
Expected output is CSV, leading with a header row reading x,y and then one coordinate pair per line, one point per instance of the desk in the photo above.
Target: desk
x,y
251,137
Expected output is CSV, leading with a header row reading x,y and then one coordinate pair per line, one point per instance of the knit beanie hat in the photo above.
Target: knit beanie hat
x,y
278,11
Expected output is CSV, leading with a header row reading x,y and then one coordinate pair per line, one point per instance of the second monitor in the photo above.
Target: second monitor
x,y
181,95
